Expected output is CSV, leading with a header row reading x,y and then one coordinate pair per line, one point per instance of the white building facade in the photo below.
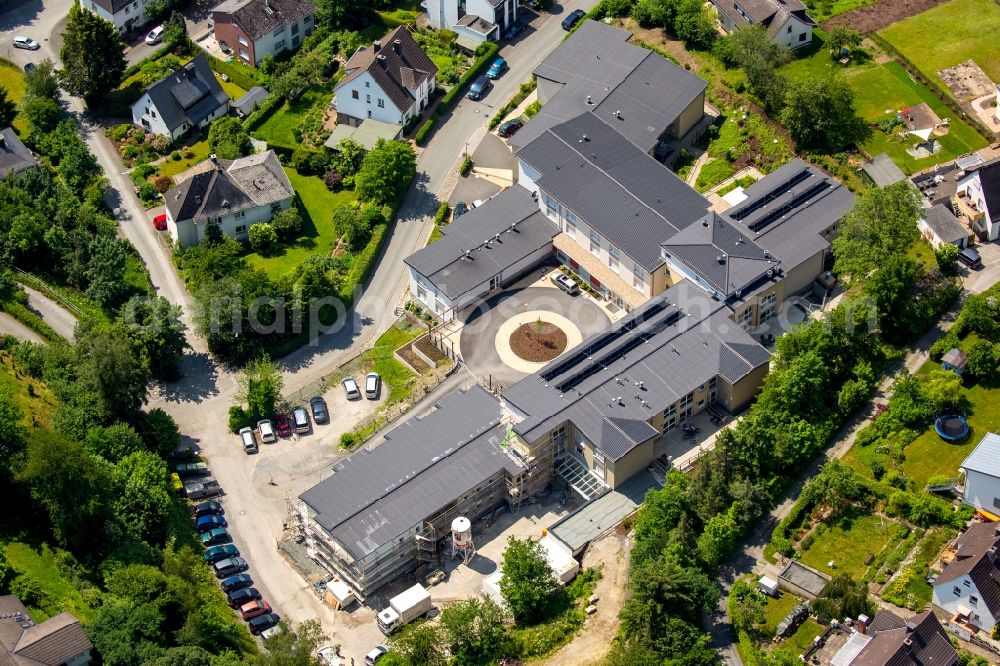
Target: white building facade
x,y
125,15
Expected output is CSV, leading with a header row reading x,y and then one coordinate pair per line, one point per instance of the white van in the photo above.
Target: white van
x,y
248,440
266,432
155,35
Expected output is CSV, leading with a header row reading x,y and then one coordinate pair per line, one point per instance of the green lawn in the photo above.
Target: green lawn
x,y
230,88
173,167
279,128
948,34
776,610
395,375
712,173
319,203
39,404
848,544
823,10
58,593
12,79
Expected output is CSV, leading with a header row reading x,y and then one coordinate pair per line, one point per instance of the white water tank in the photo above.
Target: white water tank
x,y
461,532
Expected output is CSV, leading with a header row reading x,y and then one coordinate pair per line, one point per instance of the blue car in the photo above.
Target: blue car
x,y
497,69
208,523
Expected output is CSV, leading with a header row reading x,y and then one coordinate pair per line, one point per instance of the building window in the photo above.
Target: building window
x,y
152,113
368,99
551,207
746,318
368,84
974,600
967,583
240,228
767,307
381,103
308,19
687,400
245,54
671,411
243,41
595,243
570,227
957,591
295,28
614,258
670,424
639,278
802,37
789,30
240,214
280,29
354,94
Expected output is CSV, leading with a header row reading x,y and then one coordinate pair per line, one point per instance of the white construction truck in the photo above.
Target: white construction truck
x,y
404,608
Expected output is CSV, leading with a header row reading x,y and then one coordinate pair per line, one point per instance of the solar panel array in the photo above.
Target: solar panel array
x,y
786,208
756,204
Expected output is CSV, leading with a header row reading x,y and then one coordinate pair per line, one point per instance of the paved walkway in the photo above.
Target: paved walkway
x,y
11,326
52,313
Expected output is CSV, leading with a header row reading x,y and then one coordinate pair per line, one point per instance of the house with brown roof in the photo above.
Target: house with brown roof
x,y
786,21
389,81
254,29
892,640
58,641
969,586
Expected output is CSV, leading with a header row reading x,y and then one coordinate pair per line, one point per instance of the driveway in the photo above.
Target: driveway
x,y
36,19
11,326
197,16
479,332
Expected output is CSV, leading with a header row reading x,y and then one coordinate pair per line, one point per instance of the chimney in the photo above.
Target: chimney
x,y
863,621
381,60
397,46
377,46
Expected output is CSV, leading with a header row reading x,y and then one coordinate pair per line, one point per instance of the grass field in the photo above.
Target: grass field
x,y
230,88
776,610
59,594
824,9
279,128
948,34
12,79
847,544
319,203
173,167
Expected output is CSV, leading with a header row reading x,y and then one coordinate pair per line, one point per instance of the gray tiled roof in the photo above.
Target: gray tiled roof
x,y
397,71
619,436
944,224
919,641
772,14
670,349
23,642
113,6
191,93
375,496
445,262
250,100
14,155
598,62
624,194
883,171
258,18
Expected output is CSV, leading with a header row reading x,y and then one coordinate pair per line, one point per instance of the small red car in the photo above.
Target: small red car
x,y
283,425
160,222
254,609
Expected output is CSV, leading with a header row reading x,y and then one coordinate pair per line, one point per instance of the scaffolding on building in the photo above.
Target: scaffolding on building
x,y
426,540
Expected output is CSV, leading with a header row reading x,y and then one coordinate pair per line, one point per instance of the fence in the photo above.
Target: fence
x,y
36,283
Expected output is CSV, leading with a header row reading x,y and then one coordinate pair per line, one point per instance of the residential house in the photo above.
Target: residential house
x,y
648,100
189,98
255,29
58,641
786,21
475,21
233,194
940,227
389,81
978,198
14,155
126,15
982,475
881,171
969,586
889,640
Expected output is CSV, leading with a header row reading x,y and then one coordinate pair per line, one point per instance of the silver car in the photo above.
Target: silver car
x,y
351,388
566,283
26,43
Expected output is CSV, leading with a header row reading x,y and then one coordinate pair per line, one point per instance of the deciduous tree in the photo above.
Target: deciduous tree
x,y
474,631
8,109
386,172
883,223
819,113
228,139
259,388
527,580
155,325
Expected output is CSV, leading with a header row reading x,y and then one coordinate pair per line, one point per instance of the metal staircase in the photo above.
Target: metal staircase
x,y
575,472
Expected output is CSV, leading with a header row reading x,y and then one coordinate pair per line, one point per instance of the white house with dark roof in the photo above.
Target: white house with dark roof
x,y
14,156
231,193
58,641
978,198
982,475
188,98
969,586
786,21
475,21
389,81
125,15
255,29
940,227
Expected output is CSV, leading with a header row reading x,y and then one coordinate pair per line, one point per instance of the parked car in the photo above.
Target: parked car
x,y
300,417
480,87
566,283
373,385
283,425
26,43
460,209
192,469
210,508
970,257
268,634
155,35
351,388
215,537
160,222
208,523
376,653
216,553
236,582
329,656
513,30
248,440
264,622
508,128
497,69
255,608
204,488
228,567
573,18
266,431
29,68
242,596
318,405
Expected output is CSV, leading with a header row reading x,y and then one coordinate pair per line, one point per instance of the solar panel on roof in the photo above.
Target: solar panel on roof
x,y
796,201
756,204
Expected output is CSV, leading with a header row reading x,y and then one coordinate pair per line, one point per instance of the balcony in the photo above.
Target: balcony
x,y
968,208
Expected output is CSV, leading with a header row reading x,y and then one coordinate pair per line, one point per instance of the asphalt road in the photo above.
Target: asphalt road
x,y
11,326
61,320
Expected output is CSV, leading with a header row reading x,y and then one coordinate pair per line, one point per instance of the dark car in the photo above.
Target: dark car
x,y
318,405
243,595
513,30
263,622
215,537
573,18
283,425
480,87
460,209
207,523
211,508
508,128
216,553
970,257
237,582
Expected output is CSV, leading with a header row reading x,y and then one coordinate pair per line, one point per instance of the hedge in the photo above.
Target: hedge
x,y
363,263
477,67
241,75
523,91
425,129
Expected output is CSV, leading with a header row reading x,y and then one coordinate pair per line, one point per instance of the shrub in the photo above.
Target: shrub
x,y
163,183
287,223
333,180
119,132
176,156
263,237
147,191
348,440
309,162
532,109
425,129
466,165
443,214
238,418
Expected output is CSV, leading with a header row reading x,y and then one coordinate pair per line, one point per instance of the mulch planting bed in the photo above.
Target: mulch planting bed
x,y
872,18
538,344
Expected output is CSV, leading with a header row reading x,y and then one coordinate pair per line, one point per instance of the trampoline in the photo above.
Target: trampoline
x,y
951,427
